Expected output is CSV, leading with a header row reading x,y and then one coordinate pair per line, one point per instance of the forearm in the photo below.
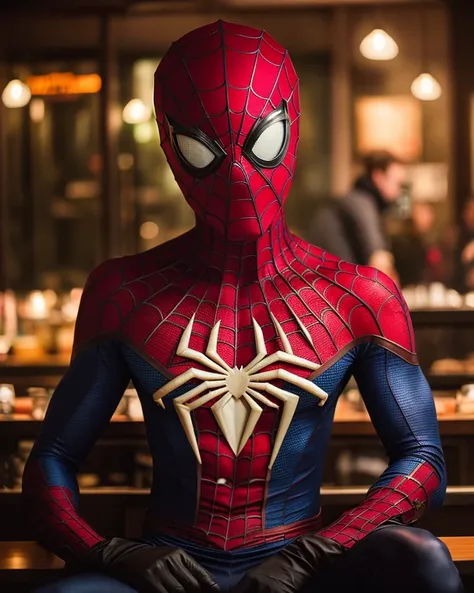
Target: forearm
x,y
80,408
401,494
50,494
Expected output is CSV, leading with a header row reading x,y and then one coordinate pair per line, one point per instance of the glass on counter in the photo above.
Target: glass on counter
x,y
465,399
7,398
434,296
28,348
17,463
35,306
40,398
34,311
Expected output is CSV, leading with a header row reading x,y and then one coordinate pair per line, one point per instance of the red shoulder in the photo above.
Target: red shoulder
x,y
386,304
370,304
115,301
111,293
96,316
355,303
116,288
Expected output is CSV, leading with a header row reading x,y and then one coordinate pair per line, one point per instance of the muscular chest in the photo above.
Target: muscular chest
x,y
243,353
218,417
235,361
206,325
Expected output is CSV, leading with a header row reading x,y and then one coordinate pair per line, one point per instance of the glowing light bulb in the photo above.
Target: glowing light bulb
x,y
426,88
136,112
16,94
378,45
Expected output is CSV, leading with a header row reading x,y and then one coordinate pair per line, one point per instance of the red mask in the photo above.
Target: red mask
x,y
227,105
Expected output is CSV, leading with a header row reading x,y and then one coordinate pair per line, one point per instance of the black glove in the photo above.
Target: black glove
x,y
293,568
150,569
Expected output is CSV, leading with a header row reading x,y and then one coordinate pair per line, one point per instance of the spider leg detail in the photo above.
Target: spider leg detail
x,y
283,357
211,350
240,389
290,402
180,380
185,351
184,414
295,380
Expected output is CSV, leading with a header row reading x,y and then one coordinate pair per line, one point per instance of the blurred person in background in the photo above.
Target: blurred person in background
x,y
353,228
419,258
464,253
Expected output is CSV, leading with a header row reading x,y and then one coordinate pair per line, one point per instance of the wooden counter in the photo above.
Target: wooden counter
x,y
22,427
48,364
347,422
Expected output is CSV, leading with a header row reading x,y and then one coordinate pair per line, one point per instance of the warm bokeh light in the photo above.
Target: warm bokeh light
x,y
136,112
36,305
125,161
64,83
76,294
16,560
378,45
144,132
50,298
149,230
16,94
37,109
426,88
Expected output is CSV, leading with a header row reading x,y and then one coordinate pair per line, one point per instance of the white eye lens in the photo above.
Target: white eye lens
x,y
270,142
194,152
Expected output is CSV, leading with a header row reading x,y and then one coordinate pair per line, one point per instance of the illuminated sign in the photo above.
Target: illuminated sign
x,y
64,83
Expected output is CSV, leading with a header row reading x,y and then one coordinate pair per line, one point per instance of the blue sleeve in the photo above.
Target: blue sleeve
x,y
81,406
401,406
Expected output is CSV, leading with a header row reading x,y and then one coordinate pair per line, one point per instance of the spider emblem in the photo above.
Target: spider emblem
x,y
238,391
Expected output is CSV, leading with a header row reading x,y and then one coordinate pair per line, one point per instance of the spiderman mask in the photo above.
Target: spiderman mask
x,y
227,106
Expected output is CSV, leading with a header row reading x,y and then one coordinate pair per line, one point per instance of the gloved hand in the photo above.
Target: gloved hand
x,y
150,569
292,569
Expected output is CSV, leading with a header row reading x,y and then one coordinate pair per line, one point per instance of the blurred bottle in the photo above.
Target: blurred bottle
x,y
8,321
7,398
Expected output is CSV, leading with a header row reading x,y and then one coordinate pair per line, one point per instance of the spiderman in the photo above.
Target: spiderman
x,y
239,337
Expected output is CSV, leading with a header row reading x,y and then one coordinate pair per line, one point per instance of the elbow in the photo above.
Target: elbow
x,y
437,492
439,495
430,463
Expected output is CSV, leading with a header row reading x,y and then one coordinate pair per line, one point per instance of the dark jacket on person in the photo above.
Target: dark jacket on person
x,y
352,227
462,268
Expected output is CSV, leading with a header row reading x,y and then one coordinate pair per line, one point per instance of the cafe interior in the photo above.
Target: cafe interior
x,y
83,179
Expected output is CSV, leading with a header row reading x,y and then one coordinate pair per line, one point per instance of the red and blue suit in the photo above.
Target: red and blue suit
x,y
239,337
